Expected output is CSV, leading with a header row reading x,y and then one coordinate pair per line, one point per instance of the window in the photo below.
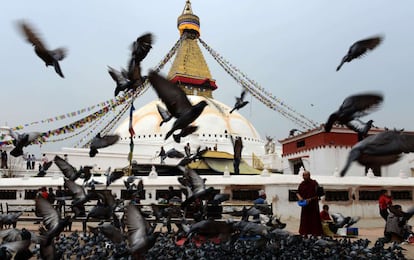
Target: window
x,y
292,195
336,195
164,193
30,194
369,194
300,143
245,194
402,194
8,194
125,195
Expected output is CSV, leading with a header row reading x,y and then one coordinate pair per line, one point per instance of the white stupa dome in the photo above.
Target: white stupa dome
x,y
215,125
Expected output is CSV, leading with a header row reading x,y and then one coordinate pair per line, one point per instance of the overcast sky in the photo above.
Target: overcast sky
x,y
291,48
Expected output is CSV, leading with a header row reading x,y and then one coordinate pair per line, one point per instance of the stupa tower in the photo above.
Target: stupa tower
x,y
189,69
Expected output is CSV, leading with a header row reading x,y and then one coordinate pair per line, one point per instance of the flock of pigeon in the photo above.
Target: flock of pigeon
x,y
376,150
236,239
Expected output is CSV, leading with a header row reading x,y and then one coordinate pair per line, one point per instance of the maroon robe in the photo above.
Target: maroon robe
x,y
310,220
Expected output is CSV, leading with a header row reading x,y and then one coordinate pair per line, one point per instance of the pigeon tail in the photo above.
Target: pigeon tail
x,y
16,152
93,152
57,69
177,138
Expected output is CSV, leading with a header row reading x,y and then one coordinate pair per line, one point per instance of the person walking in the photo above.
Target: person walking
x,y
310,220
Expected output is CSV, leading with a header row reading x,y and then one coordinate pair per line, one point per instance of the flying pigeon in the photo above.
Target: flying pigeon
x,y
176,102
67,169
353,107
240,102
112,176
101,142
174,153
43,170
121,80
51,218
140,49
380,149
50,57
22,140
140,236
80,196
195,183
142,46
359,48
362,129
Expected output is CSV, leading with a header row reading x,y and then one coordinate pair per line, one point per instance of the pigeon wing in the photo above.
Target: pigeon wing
x,y
66,168
196,181
361,103
370,43
47,165
165,115
142,46
49,214
173,96
77,190
16,246
31,36
136,228
116,75
104,141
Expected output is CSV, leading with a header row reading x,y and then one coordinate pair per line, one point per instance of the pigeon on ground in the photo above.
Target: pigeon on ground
x,y
240,102
101,142
380,149
176,102
293,131
353,107
22,140
359,48
50,57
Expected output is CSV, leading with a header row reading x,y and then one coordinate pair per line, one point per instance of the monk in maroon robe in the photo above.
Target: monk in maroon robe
x,y
310,220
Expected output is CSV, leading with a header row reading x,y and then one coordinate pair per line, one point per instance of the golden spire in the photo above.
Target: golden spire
x,y
189,68
188,21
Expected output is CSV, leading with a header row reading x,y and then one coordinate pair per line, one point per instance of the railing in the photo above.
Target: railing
x,y
213,211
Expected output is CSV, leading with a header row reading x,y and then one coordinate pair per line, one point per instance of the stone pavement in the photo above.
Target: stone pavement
x,y
372,229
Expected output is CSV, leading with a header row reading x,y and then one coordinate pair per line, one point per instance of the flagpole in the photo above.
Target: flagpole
x,y
131,137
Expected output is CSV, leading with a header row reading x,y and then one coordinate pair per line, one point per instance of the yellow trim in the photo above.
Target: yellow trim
x,y
188,26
